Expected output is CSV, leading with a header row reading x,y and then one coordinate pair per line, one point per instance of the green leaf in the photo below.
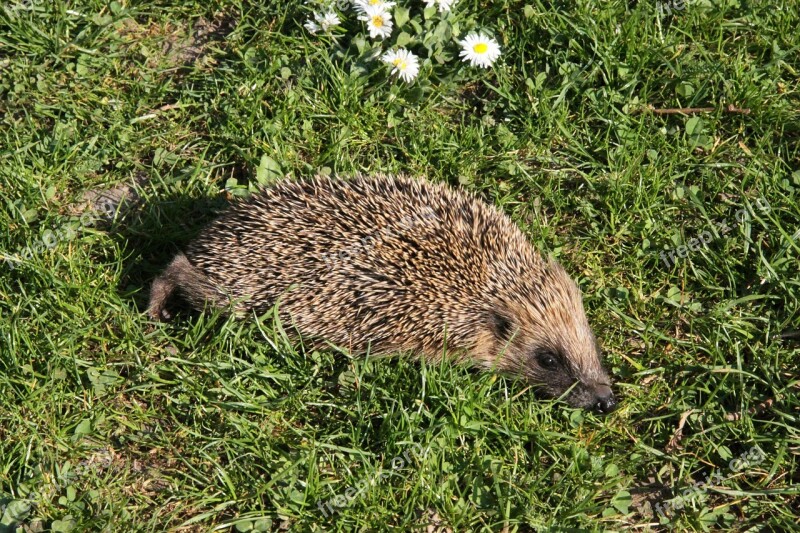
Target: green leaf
x,y
84,428
611,470
161,156
347,380
15,512
674,293
694,126
80,67
685,89
724,452
442,32
101,379
706,141
403,39
268,170
360,42
400,17
64,525
622,501
101,19
263,524
30,215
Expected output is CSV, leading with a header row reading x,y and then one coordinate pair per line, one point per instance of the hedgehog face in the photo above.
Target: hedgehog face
x,y
564,364
554,373
548,341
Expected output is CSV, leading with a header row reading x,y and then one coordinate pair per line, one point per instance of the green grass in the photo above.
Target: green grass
x,y
110,422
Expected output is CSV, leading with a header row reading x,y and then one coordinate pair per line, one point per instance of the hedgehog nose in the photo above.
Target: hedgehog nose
x,y
604,401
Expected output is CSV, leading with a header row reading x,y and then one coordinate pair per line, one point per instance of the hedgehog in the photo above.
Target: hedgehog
x,y
396,265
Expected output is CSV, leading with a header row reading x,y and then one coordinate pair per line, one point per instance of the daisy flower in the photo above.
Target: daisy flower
x,y
404,63
444,5
362,5
379,22
479,50
311,26
322,21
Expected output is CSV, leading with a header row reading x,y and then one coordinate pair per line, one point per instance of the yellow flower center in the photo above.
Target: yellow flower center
x,y
374,2
400,63
377,21
480,48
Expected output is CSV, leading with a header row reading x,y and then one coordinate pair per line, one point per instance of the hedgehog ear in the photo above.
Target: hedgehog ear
x,y
501,326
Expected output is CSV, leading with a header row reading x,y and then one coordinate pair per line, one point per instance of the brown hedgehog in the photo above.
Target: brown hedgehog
x,y
391,265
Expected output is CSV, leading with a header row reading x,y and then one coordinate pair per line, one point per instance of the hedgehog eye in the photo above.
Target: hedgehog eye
x,y
547,360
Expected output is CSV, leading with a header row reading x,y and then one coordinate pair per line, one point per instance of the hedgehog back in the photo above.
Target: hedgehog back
x,y
384,264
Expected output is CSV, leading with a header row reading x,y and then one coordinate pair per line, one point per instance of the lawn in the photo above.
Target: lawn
x,y
124,128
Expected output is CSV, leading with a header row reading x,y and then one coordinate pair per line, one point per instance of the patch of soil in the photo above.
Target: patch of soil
x,y
180,45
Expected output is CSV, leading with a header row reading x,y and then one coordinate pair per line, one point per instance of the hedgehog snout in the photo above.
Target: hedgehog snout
x,y
594,396
603,399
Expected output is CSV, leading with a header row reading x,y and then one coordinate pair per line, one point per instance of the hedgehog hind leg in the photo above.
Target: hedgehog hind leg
x,y
160,292
180,274
164,286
